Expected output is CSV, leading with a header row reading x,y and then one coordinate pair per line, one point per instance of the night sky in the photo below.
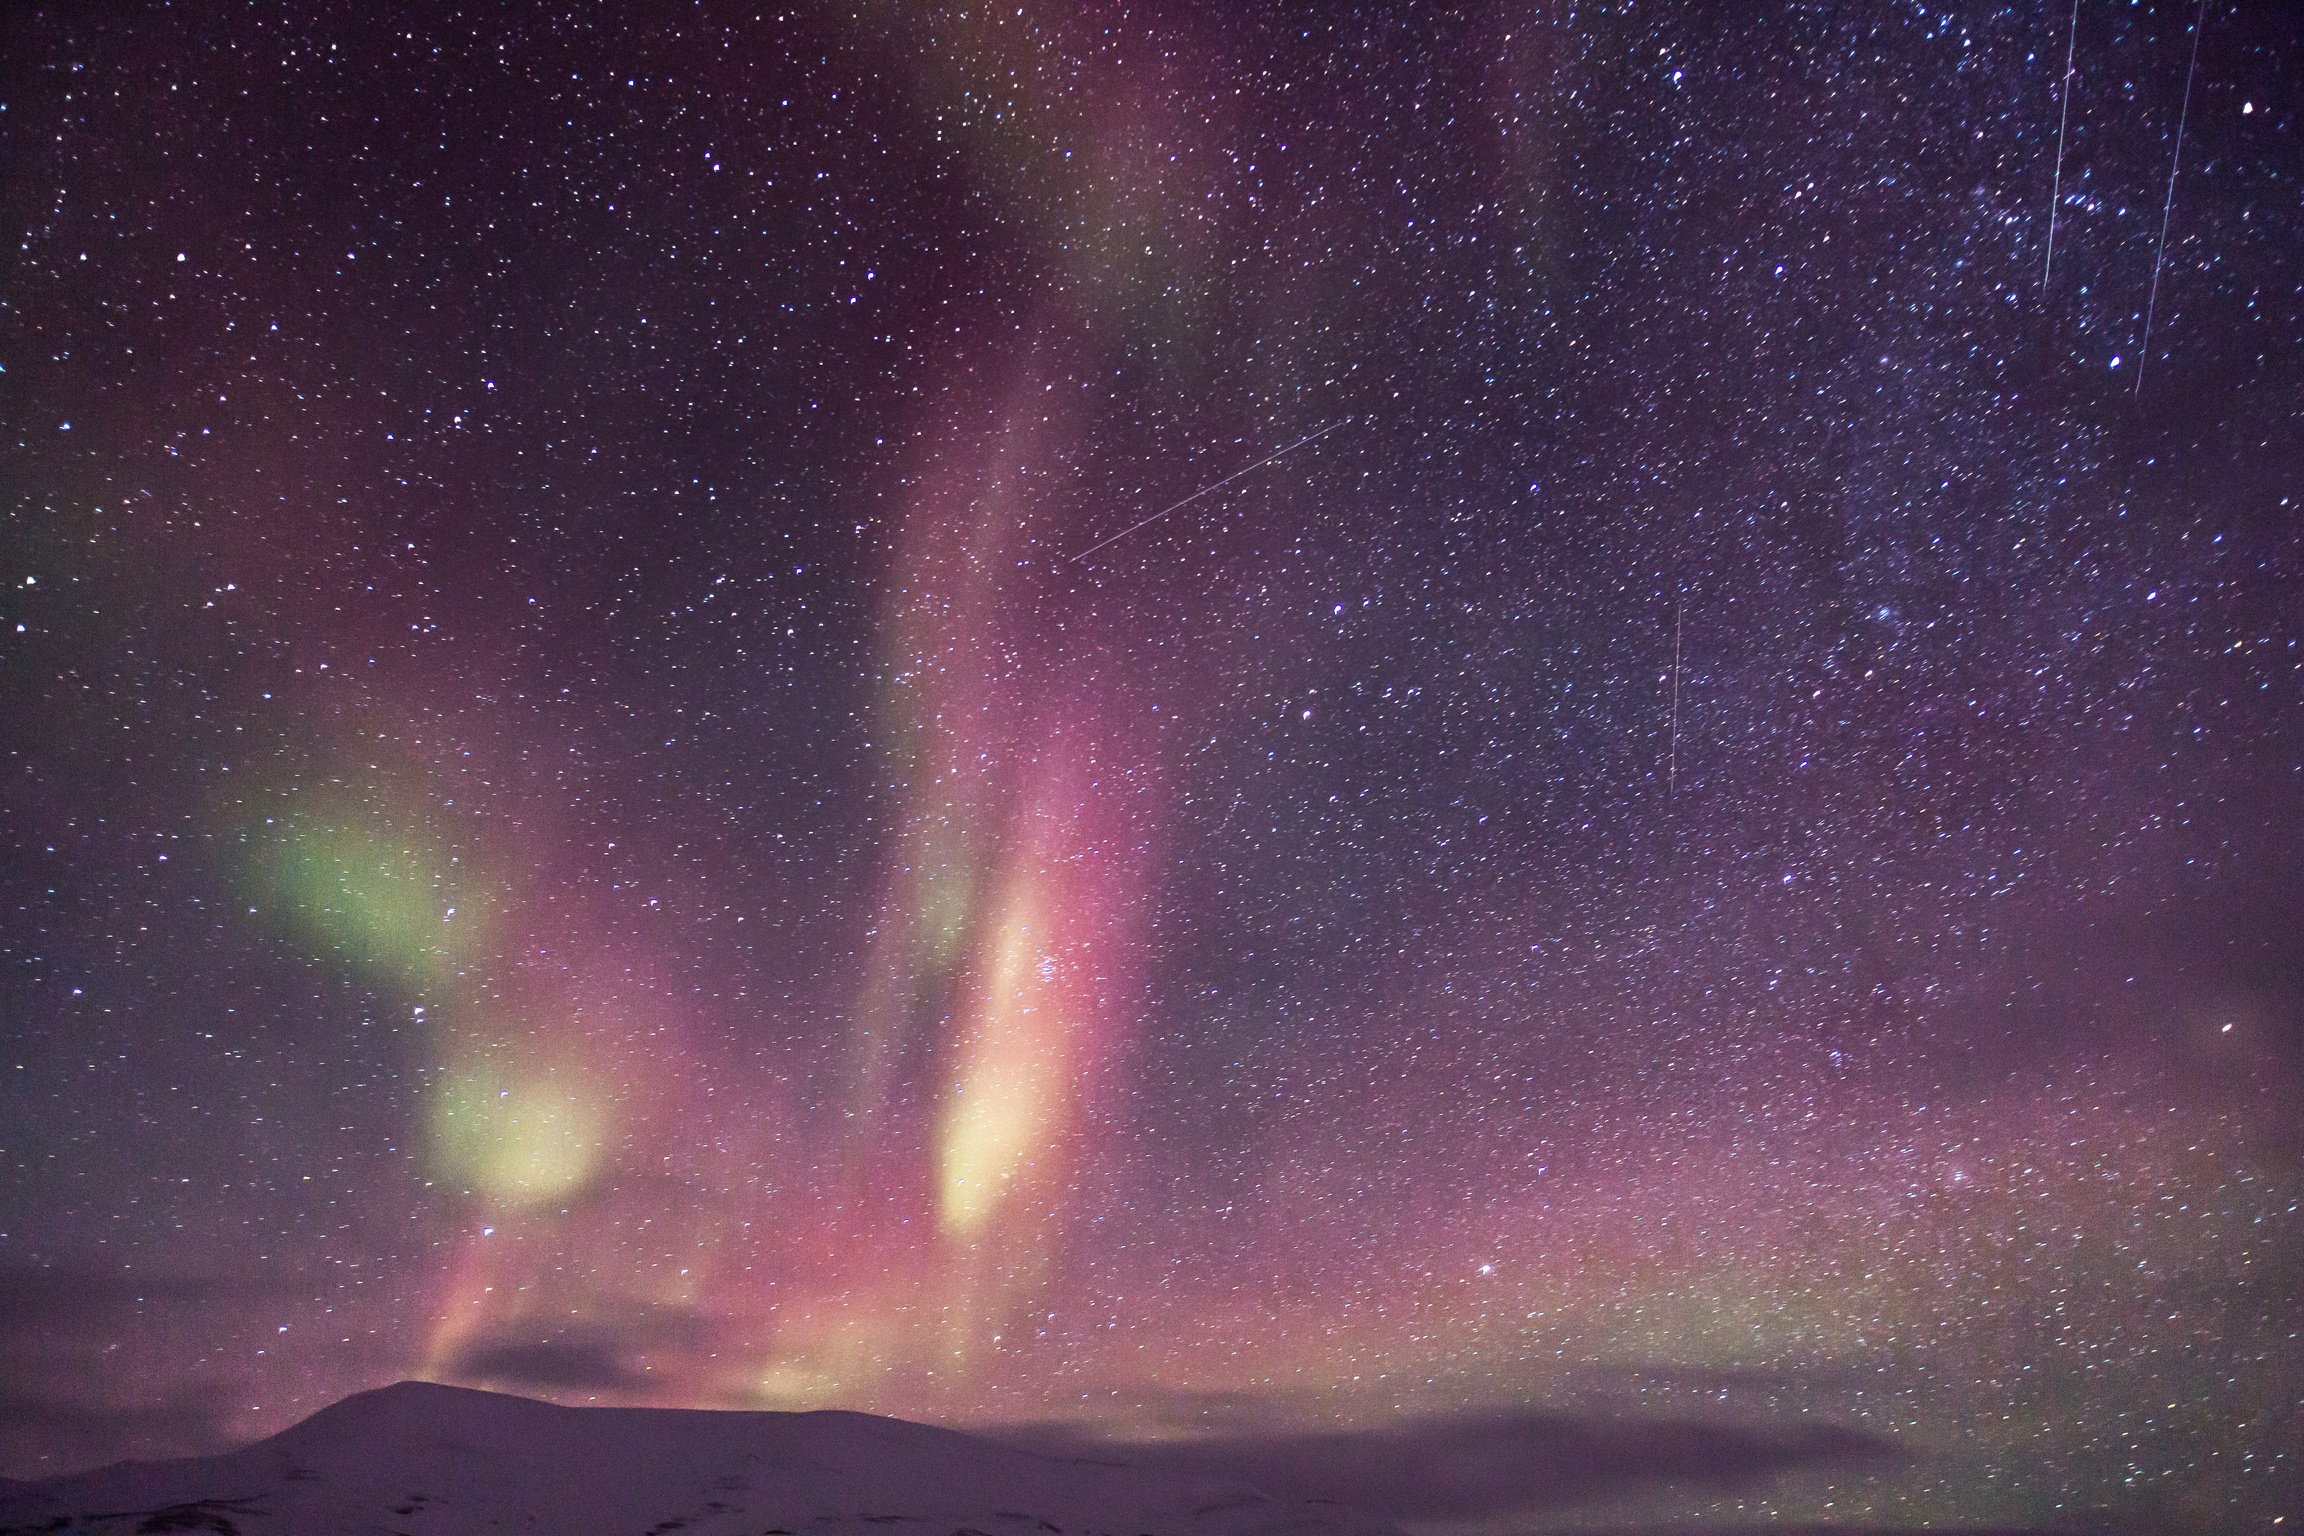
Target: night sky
x,y
1726,843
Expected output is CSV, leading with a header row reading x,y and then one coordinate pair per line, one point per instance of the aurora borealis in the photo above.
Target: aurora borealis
x,y
1721,840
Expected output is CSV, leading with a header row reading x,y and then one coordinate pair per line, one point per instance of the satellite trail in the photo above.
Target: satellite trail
x,y
2063,117
2152,305
1672,773
1204,490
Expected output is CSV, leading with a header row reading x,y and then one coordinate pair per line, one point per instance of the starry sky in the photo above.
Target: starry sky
x,y
1719,837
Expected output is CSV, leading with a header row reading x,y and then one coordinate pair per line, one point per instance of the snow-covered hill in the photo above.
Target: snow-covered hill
x,y
423,1460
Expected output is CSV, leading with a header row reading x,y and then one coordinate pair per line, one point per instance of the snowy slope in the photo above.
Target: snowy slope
x,y
424,1460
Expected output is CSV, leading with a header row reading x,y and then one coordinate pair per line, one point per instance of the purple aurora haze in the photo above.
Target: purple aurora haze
x,y
594,809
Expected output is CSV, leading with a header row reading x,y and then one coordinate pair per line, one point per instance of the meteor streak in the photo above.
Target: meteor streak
x,y
2160,251
2063,117
1206,489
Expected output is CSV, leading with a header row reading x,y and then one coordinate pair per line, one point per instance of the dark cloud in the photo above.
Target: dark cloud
x,y
603,1354
1491,1465
41,1304
88,1368
51,1429
564,1365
